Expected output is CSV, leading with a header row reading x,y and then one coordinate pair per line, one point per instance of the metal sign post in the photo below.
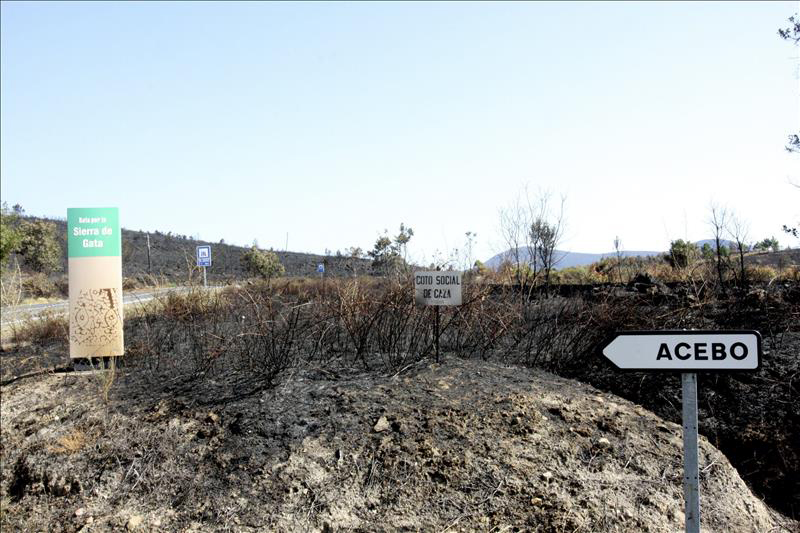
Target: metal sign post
x,y
321,270
691,471
687,352
436,329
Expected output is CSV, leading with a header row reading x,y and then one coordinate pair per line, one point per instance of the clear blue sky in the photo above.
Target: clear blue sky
x,y
333,121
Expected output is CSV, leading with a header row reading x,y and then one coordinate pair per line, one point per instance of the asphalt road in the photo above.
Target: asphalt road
x,y
17,314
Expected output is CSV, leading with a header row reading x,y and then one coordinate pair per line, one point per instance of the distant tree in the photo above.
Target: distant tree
x,y
38,245
791,33
514,230
546,236
618,253
770,243
266,265
354,253
471,236
382,246
389,255
718,220
10,235
401,241
707,252
681,254
479,267
738,230
384,256
531,229
794,231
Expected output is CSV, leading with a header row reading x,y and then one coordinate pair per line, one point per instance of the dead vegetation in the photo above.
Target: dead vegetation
x,y
218,350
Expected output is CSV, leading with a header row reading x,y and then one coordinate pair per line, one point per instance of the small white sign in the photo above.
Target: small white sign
x,y
437,288
687,351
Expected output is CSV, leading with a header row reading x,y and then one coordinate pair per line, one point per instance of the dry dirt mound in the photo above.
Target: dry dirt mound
x,y
461,446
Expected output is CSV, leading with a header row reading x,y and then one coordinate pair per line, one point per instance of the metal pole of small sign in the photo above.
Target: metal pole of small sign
x,y
436,329
691,475
205,281
436,325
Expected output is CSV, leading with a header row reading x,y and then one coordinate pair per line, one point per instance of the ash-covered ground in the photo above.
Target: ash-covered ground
x,y
464,445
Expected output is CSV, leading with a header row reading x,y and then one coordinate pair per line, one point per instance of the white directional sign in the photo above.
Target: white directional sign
x,y
686,351
437,288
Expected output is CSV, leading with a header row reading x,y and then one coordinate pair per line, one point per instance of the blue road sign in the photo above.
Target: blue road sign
x,y
204,256
321,268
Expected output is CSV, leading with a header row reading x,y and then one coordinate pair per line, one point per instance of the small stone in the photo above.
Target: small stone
x,y
90,520
598,399
80,512
381,425
604,442
547,476
134,522
212,417
536,501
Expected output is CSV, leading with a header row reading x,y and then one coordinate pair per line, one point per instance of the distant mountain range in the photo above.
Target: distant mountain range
x,y
572,259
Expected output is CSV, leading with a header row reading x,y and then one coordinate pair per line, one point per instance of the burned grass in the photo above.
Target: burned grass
x,y
203,358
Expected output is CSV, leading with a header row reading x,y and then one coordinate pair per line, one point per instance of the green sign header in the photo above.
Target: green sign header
x,y
93,232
